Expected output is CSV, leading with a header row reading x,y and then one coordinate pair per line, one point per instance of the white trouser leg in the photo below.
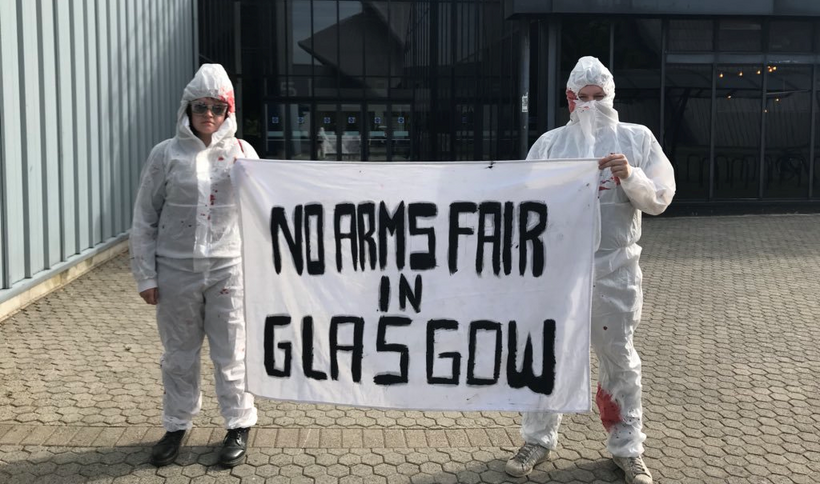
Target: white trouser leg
x,y
540,428
616,312
179,321
619,382
225,327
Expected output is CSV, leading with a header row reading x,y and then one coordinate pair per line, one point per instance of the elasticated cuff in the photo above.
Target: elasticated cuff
x,y
146,284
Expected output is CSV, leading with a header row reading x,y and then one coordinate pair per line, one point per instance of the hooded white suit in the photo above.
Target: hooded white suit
x,y
594,132
185,241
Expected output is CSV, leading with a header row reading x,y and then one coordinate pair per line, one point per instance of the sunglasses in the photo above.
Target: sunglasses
x,y
202,108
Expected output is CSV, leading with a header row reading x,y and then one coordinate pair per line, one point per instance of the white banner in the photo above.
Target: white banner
x,y
429,286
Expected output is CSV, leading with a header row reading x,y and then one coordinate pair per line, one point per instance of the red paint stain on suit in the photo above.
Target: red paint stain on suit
x,y
610,410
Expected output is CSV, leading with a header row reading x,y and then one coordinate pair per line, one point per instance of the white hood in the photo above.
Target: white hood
x,y
212,81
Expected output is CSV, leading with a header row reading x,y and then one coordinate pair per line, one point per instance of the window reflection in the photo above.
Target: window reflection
x,y
691,35
637,72
740,35
816,174
300,131
790,36
787,115
737,131
687,127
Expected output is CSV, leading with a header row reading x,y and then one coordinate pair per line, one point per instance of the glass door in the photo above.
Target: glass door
x,y
400,129
377,132
275,132
300,131
326,139
352,134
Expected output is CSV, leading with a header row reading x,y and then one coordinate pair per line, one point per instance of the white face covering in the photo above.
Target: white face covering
x,y
597,121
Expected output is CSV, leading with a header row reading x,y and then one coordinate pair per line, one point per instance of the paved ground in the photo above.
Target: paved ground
x,y
729,342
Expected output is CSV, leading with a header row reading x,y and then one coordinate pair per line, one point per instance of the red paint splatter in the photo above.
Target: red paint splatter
x,y
610,411
221,158
226,95
602,188
213,199
224,291
617,180
571,99
605,328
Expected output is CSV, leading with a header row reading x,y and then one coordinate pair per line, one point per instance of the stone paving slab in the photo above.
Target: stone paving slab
x,y
729,342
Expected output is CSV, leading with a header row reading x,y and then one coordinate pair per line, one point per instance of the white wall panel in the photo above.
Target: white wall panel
x,y
87,88
94,122
32,157
49,138
105,101
65,129
82,137
13,230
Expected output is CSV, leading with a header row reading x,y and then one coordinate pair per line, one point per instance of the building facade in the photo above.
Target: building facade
x,y
87,88
730,89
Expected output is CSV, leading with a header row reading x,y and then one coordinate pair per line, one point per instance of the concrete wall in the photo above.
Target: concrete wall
x,y
87,88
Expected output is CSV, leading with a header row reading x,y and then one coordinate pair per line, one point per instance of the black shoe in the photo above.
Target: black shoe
x,y
167,449
233,447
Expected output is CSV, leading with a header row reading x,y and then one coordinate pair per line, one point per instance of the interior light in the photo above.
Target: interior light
x,y
729,96
774,68
721,75
777,99
758,72
740,74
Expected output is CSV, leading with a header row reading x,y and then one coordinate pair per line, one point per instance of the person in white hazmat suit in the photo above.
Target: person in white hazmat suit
x,y
636,177
185,257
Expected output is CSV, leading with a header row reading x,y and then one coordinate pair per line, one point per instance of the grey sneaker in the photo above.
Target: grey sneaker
x,y
525,459
635,471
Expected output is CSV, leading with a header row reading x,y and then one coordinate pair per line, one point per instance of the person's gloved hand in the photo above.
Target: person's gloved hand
x,y
150,296
617,163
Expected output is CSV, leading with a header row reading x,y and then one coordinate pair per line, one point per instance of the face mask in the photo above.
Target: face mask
x,y
597,121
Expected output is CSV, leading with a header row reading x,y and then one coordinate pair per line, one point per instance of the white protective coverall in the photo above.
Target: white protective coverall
x,y
594,132
185,241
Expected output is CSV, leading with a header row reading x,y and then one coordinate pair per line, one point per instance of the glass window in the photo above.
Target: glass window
x,y
275,134
324,44
790,36
687,127
400,128
817,36
638,72
581,37
324,87
351,134
737,131
691,36
787,115
352,27
327,142
377,132
300,139
816,174
300,33
637,44
740,35
465,132
381,52
377,87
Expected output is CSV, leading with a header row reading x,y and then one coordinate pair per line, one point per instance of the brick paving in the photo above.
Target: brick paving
x,y
729,344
